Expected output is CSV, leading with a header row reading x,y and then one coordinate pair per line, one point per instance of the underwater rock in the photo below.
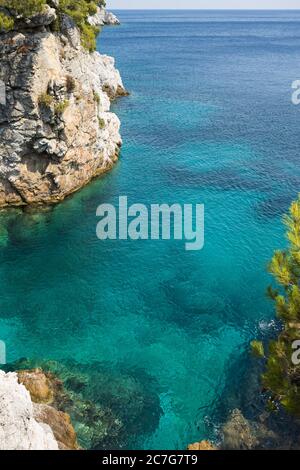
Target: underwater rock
x,y
108,408
240,433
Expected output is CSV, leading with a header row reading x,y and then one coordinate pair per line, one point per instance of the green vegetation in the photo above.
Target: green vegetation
x,y
78,10
48,101
45,100
25,8
101,123
6,22
257,349
97,97
282,376
60,107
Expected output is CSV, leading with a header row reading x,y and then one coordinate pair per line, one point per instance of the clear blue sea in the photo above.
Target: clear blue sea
x,y
209,120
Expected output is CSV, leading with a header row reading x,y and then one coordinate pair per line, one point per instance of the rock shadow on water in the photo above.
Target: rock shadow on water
x,y
193,306
19,225
109,408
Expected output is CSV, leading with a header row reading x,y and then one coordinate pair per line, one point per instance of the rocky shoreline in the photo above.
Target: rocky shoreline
x,y
28,419
86,406
56,128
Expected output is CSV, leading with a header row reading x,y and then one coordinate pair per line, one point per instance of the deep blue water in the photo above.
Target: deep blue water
x,y
209,120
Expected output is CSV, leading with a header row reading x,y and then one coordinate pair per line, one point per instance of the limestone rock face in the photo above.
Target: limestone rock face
x,y
56,128
19,430
60,423
111,19
41,19
38,385
103,17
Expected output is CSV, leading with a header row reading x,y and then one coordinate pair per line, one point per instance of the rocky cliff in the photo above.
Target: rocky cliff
x,y
103,17
56,128
19,429
29,419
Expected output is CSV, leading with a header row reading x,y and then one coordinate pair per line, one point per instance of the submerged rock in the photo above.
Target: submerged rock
x,y
108,408
240,433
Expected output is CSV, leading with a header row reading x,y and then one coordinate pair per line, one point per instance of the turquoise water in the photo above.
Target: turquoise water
x,y
209,120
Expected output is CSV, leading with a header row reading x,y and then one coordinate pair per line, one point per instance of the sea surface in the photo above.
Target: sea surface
x,y
209,120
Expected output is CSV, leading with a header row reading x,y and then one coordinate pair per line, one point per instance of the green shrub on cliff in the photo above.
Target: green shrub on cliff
x,y
45,100
60,107
6,22
13,8
79,12
282,375
25,8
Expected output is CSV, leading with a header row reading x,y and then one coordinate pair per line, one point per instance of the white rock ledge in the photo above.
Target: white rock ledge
x,y
18,428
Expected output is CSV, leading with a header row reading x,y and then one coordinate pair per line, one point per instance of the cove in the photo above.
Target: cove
x,y
159,335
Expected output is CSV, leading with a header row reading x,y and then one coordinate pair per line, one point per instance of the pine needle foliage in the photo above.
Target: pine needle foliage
x,y
282,376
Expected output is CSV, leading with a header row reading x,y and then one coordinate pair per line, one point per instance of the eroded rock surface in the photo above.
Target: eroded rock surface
x,y
103,17
60,423
45,390
38,385
19,430
56,128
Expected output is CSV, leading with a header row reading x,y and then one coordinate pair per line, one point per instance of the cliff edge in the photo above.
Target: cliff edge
x,y
56,128
19,429
30,418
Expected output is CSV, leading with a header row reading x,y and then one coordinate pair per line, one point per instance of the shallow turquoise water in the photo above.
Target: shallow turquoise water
x,y
209,120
